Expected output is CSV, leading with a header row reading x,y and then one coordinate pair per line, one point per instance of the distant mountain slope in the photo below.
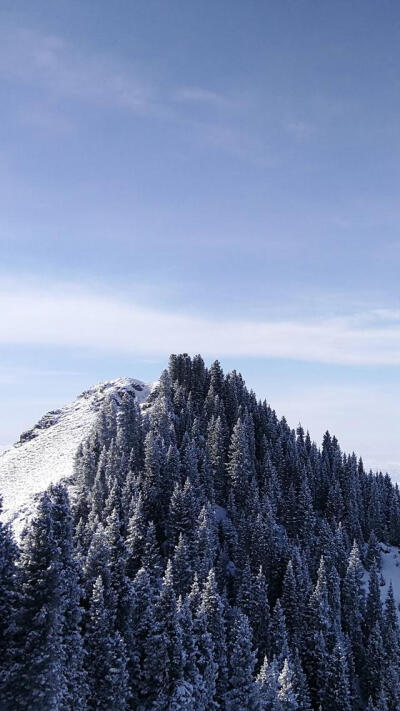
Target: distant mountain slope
x,y
45,454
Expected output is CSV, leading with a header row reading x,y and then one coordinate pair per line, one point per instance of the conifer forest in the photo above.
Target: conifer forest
x,y
204,557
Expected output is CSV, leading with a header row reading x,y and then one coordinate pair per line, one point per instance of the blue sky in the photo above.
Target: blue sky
x,y
205,176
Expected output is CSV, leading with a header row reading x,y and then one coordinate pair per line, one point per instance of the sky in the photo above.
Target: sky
x,y
214,177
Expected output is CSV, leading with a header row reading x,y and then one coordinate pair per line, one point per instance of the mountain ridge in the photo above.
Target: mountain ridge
x,y
44,454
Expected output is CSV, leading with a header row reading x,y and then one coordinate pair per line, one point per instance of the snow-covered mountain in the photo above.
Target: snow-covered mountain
x,y
285,557
45,453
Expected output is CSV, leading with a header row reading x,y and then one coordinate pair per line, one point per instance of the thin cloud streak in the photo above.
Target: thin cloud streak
x,y
199,95
67,315
47,61
60,71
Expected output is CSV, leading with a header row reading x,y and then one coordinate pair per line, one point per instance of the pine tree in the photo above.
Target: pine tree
x,y
190,670
373,554
216,452
373,608
8,610
205,543
75,690
267,685
152,475
316,643
391,642
372,675
353,604
391,683
142,624
259,615
38,680
121,585
183,512
163,660
243,691
300,684
151,559
305,513
213,609
334,505
182,566
382,704
287,696
216,376
239,463
98,563
278,634
205,662
337,693
135,538
106,657
183,697
290,606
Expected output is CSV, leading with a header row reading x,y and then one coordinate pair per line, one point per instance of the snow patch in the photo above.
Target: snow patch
x,y
221,513
390,568
389,573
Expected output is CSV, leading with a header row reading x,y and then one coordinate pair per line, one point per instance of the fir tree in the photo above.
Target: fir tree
x,y
278,634
38,681
290,606
373,554
8,610
213,609
267,685
337,693
372,675
353,604
163,660
239,463
287,696
243,691
373,609
75,689
106,657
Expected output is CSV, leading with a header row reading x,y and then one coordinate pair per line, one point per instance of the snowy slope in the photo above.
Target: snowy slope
x,y
45,454
390,573
390,561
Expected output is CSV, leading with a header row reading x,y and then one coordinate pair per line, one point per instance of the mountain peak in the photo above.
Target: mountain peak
x,y
45,453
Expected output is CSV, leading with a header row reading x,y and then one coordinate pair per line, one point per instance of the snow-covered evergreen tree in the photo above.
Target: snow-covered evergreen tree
x,y
243,692
8,609
106,657
38,680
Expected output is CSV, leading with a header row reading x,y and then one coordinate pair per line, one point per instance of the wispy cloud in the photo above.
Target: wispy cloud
x,y
48,61
199,95
66,315
59,72
53,64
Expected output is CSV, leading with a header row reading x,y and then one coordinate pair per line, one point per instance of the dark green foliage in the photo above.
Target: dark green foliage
x,y
212,561
8,608
243,692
